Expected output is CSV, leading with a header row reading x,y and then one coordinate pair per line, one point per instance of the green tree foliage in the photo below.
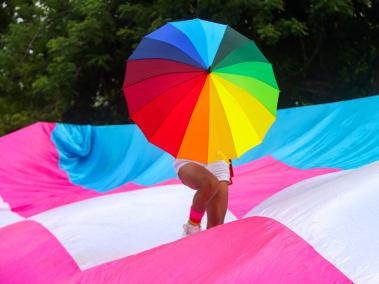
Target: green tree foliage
x,y
64,60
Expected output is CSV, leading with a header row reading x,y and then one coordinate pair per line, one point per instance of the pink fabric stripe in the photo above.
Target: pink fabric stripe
x,y
31,254
258,180
39,184
253,250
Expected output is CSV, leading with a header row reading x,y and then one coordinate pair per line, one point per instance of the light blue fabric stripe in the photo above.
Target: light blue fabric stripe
x,y
338,135
105,157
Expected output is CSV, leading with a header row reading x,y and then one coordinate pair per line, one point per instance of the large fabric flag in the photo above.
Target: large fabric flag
x,y
200,90
100,204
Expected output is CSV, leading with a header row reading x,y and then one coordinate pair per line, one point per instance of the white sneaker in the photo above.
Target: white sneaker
x,y
190,229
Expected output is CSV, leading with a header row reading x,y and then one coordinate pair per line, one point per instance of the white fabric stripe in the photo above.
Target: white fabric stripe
x,y
7,217
109,227
338,214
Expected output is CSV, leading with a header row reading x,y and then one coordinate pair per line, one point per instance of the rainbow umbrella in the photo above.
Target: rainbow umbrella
x,y
200,90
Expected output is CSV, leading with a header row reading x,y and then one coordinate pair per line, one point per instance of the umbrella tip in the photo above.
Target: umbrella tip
x,y
209,70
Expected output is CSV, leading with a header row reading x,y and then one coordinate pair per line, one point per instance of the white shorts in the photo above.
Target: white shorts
x,y
219,169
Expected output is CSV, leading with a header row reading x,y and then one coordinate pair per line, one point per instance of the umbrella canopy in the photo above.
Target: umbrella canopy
x,y
201,90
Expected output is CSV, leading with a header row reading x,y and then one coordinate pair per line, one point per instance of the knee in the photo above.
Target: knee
x,y
209,185
208,188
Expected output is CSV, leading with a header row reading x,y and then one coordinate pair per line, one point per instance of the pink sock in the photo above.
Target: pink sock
x,y
195,216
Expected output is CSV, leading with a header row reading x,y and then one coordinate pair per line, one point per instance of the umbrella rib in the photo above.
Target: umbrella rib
x,y
250,59
238,74
259,81
197,69
229,128
181,99
172,111
247,116
249,77
201,63
243,61
189,39
228,125
230,131
242,109
229,29
155,76
156,97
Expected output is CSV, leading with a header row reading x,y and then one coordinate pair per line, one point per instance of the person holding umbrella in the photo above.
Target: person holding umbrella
x,y
211,184
204,93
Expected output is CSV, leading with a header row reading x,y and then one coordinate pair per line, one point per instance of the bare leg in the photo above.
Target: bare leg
x,y
217,206
200,179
